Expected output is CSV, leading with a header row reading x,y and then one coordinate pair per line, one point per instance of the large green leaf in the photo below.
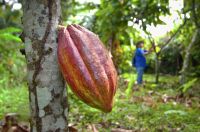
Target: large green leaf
x,y
10,30
189,84
9,35
6,37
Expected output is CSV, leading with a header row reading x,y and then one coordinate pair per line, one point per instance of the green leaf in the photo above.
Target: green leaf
x,y
10,30
189,84
9,37
130,85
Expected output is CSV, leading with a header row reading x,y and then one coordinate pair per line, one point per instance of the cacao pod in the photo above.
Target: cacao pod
x,y
87,67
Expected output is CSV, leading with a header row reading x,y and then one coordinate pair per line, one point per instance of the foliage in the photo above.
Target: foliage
x,y
141,116
74,11
13,95
12,65
14,100
9,16
143,111
7,35
129,88
68,9
185,87
115,22
191,8
171,59
157,107
11,60
115,15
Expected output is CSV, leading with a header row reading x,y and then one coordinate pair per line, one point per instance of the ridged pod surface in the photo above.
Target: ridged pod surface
x,y
87,67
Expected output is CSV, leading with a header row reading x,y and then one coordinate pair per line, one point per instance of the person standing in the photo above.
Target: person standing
x,y
139,61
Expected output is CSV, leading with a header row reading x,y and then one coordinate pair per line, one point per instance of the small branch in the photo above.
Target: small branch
x,y
152,41
178,30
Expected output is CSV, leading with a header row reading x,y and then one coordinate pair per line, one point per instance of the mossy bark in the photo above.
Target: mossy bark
x,y
186,62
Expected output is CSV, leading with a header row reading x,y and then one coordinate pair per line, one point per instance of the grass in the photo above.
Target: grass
x,y
140,110
143,110
14,100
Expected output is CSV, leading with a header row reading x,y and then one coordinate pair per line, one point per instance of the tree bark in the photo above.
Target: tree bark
x,y
113,44
157,68
186,62
47,94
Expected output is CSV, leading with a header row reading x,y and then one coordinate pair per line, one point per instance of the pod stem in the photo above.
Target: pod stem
x,y
60,27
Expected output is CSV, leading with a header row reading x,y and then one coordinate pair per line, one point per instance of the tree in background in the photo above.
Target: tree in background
x,y
193,9
157,49
115,22
112,20
47,97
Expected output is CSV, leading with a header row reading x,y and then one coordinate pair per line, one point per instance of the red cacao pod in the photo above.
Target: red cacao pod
x,y
87,67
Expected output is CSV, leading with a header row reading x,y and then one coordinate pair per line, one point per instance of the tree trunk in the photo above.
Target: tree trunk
x,y
186,61
157,68
47,94
113,44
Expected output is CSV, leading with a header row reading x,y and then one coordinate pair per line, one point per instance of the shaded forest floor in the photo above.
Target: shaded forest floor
x,y
150,108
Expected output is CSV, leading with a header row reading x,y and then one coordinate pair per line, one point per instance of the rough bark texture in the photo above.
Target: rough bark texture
x,y
184,71
47,95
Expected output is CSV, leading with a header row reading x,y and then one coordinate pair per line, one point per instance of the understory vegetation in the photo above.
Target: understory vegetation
x,y
151,108
170,99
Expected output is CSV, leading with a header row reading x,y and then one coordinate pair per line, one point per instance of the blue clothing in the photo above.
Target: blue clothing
x,y
140,71
139,59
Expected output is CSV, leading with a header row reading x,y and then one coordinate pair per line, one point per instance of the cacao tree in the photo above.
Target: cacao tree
x,y
47,94
111,21
161,47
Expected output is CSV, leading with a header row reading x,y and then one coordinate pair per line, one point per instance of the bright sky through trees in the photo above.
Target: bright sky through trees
x,y
171,21
159,30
